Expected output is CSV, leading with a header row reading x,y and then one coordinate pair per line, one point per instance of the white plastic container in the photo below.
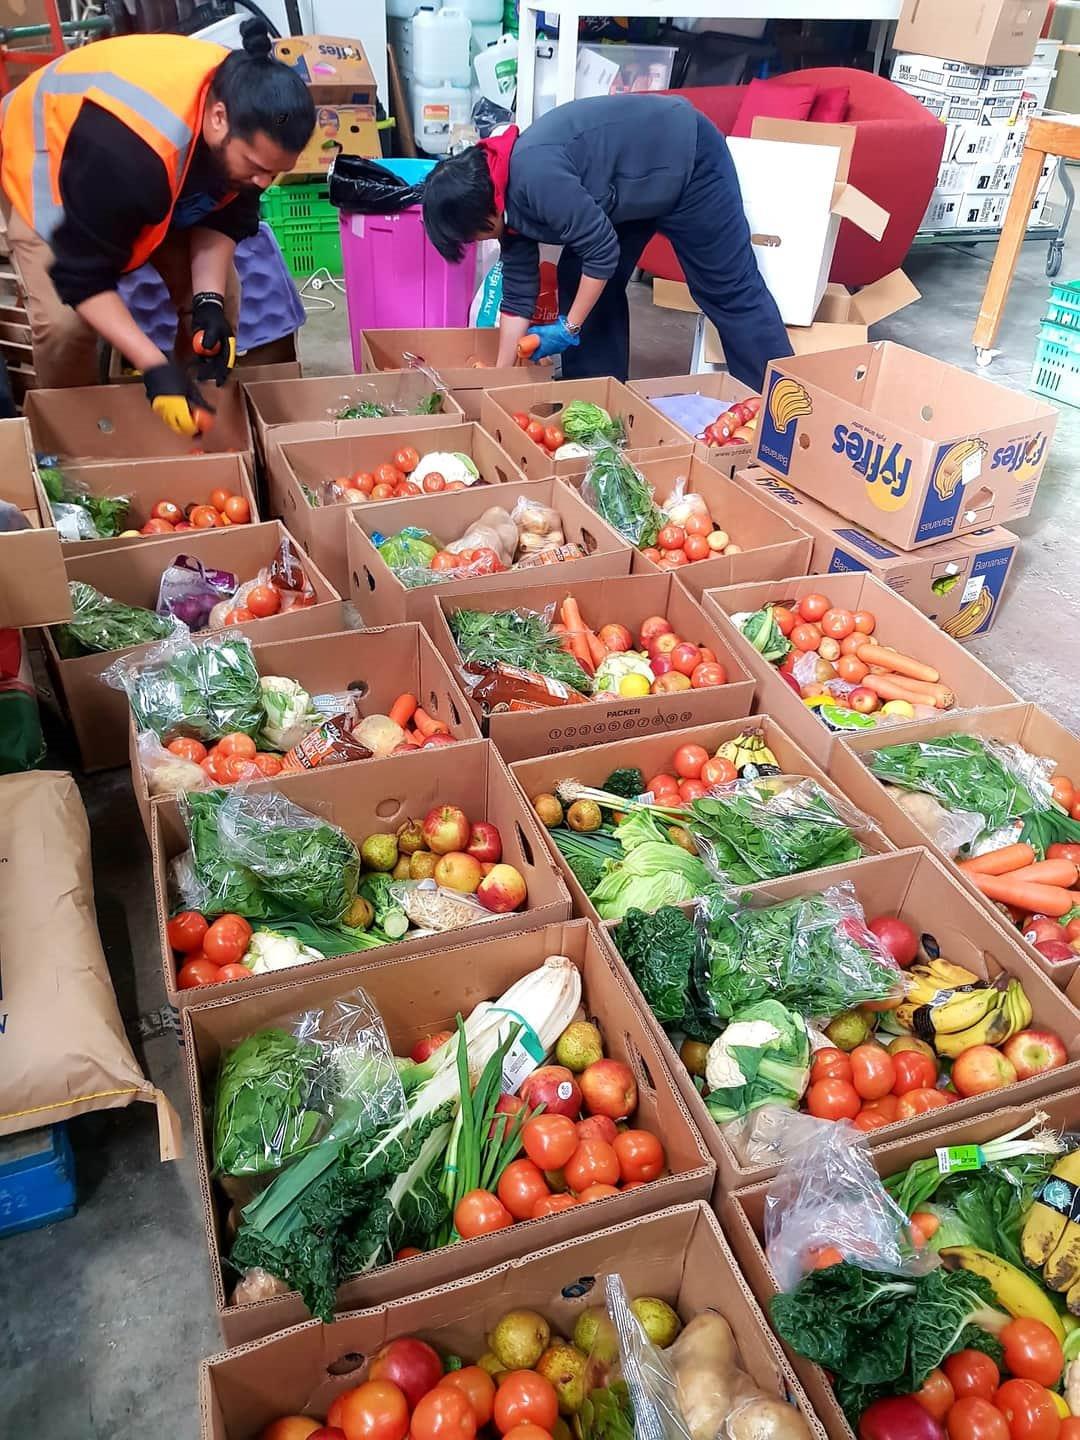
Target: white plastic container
x,y
402,9
441,47
484,34
436,110
496,71
482,12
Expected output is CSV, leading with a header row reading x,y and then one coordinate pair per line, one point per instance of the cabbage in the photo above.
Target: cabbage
x,y
450,464
583,421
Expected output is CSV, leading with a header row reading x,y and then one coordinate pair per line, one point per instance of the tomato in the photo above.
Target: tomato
x,y
186,931
865,622
1064,792
919,1102
640,1155
525,1398
1070,1428
822,1257
521,1185
924,1225
238,767
696,548
1032,1351
234,972
406,459
187,749
554,438
379,491
485,561
528,1432
1064,852
535,431
520,419
718,770
444,1413
197,970
600,1192
1029,1410
216,499
651,553
237,509
388,475
852,669
594,1162
872,1071
833,1100
549,1140
268,765
708,673
665,785
691,790
263,600
226,941
167,510
476,1385
805,637
839,624
936,1395
812,607
974,1418
830,1064
434,482
970,1372
869,1119
671,537
239,615
699,525
913,1072
786,619
1074,811
551,1205
235,743
689,760
204,517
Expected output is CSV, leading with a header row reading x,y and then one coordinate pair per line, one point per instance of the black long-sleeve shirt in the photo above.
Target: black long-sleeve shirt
x,y
113,186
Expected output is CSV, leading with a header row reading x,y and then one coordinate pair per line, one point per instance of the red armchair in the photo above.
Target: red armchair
x,y
898,146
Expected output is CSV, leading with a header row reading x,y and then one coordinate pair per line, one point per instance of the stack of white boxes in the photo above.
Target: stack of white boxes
x,y
986,109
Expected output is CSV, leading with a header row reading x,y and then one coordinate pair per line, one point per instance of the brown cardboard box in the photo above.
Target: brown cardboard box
x,y
646,429
652,754
979,32
743,1215
377,665
339,130
382,599
450,352
769,548
416,996
184,479
33,583
720,387
98,714
677,1254
626,601
334,69
966,574
911,448
306,464
899,624
917,887
114,422
1024,725
379,795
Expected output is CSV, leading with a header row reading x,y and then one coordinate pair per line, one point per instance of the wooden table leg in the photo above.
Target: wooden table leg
x,y
1008,248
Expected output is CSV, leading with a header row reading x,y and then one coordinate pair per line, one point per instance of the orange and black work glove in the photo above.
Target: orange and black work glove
x,y
212,338
175,399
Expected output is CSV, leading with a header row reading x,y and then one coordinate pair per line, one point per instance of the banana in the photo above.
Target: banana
x,y
787,401
1018,1293
1072,1300
1048,1218
993,1029
970,618
750,755
946,974
1017,1007
962,1010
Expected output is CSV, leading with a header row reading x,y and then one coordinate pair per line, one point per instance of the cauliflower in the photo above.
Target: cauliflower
x,y
451,465
615,667
721,1067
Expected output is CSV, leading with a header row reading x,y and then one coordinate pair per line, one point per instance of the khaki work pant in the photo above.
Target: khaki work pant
x,y
65,347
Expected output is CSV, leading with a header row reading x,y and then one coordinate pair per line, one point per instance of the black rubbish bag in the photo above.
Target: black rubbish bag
x,y
363,187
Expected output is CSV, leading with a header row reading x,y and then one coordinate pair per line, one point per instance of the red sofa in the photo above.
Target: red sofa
x,y
898,146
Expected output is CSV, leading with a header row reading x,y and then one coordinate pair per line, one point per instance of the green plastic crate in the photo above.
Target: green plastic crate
x,y
1057,364
1064,306
306,227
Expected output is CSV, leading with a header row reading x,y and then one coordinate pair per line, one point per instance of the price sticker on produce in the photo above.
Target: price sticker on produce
x,y
952,1159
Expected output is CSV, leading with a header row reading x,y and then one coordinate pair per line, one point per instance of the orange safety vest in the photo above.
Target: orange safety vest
x,y
156,84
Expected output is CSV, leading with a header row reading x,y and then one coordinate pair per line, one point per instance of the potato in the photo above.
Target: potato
x,y
764,1419
717,1397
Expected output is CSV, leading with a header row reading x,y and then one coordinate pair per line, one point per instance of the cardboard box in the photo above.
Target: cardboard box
x,y
1024,725
376,665
914,885
545,400
626,601
911,448
33,582
744,1216
941,580
339,130
694,401
953,77
899,623
768,547
464,358
677,1254
335,70
302,467
979,32
419,995
653,753
942,213
981,212
132,573
378,795
996,178
382,599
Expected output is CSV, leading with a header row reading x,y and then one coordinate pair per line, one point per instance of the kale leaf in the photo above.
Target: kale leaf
x,y
659,953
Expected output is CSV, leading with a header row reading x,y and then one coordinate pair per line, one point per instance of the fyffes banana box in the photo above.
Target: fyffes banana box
x,y
912,449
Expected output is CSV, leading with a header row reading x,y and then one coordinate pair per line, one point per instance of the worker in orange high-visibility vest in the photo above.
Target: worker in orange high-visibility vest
x,y
144,149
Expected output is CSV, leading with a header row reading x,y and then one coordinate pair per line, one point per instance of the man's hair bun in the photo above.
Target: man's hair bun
x,y
256,39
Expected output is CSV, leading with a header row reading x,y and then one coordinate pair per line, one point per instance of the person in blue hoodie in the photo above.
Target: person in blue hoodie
x,y
600,177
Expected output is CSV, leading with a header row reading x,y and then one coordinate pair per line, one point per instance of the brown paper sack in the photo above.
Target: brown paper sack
x,y
63,1050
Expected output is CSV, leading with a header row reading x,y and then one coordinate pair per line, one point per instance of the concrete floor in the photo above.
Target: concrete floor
x,y
103,1318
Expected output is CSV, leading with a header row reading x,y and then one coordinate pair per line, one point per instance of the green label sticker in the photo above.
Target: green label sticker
x,y
952,1159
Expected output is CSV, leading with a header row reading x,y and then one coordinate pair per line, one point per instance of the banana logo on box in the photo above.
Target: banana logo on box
x,y
788,400
949,471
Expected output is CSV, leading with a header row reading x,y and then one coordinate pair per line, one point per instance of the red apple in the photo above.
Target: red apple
x,y
502,890
686,658
1033,1051
597,1127
554,1087
653,626
616,638
1041,928
446,828
663,644
1056,951
670,684
863,700
485,842
411,1365
425,1048
981,1069
661,665
327,1432
609,1088
897,937
457,870
506,1105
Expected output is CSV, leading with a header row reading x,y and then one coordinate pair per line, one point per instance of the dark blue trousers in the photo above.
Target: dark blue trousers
x,y
711,238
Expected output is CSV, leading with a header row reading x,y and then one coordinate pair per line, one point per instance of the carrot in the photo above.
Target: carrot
x,y
1049,900
939,695
871,654
598,651
1048,872
887,687
575,631
403,709
999,862
428,725
528,345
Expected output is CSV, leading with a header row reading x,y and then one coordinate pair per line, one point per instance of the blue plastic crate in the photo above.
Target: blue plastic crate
x,y
1056,373
411,171
37,1179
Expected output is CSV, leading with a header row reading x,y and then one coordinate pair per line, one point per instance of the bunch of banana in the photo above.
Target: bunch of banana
x,y
953,1009
787,401
750,755
1023,1297
1051,1237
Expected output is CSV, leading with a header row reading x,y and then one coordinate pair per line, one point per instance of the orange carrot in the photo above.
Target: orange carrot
x,y
1048,872
999,862
403,709
428,725
939,695
575,630
1049,900
871,654
598,652
528,345
886,687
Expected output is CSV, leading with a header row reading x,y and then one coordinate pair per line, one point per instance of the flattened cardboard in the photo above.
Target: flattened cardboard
x,y
945,581
899,624
377,665
652,754
1018,724
979,32
627,601
33,583
98,714
379,795
382,599
678,1254
723,388
914,885
334,69
646,429
415,996
308,463
463,356
906,446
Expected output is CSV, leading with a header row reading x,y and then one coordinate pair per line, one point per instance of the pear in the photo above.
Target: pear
x,y
564,1365
658,1320
519,1339
596,1336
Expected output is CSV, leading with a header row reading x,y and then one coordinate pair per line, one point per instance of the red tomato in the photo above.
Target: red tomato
x,y
838,624
865,622
407,459
388,475
268,765
970,1372
686,658
476,1385
936,1395
671,537
651,553
812,607
197,971
786,619
263,600
640,1155
869,1119
699,525
1056,852
521,1185
549,1140
480,1213
974,1418
691,790
218,497
520,419
599,1192
918,1102
1070,1428
239,615
167,510
204,517
528,1432
1064,793
594,1162
443,1414
551,1205
226,941
913,1072
186,931
662,784
235,743
380,491
1032,1351
805,637
535,432
873,1072
689,760
237,510
525,1398
554,438
364,480
851,643
433,482
830,1064
1029,1410
852,669
234,972
376,1410
718,770
187,749
833,1100
708,673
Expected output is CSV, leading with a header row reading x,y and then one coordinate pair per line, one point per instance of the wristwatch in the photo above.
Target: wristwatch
x,y
574,329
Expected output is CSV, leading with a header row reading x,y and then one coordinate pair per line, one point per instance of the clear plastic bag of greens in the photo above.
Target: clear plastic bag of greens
x,y
100,624
965,772
79,514
621,495
524,640
630,1388
412,548
202,688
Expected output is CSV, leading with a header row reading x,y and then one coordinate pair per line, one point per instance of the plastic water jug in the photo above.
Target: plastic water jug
x,y
485,33
482,12
496,71
402,9
441,47
436,110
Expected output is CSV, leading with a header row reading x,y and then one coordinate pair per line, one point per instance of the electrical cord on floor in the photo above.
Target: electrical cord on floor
x,y
310,297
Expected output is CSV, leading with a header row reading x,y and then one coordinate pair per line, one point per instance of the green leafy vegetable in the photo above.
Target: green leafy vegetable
x,y
513,638
100,624
365,410
583,421
607,1413
587,853
262,1105
105,513
758,831
390,917
762,1058
204,690
764,634
628,782
653,871
659,952
410,548
620,495
220,884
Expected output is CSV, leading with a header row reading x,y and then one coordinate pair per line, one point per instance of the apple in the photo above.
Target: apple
x,y
411,1365
661,665
1056,951
485,842
650,628
328,1432
1043,928
663,644
597,1127
554,1087
425,1048
505,1105
616,638
896,937
445,828
863,700
502,889
981,1069
686,658
609,1088
457,870
436,738
1032,1051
